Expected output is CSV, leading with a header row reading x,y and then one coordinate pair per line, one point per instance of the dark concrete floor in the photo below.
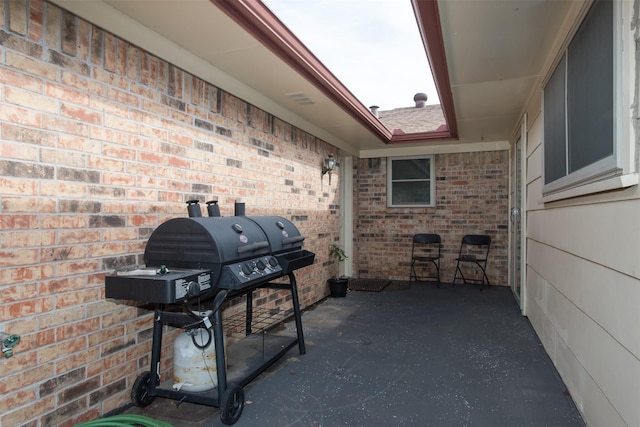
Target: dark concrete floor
x,y
418,356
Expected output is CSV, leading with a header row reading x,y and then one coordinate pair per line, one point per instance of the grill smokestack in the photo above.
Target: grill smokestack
x,y
239,209
212,208
193,208
420,99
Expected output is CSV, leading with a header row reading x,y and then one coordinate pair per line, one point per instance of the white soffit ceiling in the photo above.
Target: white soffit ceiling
x,y
495,52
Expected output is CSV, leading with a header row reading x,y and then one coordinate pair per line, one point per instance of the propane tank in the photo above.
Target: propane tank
x,y
194,361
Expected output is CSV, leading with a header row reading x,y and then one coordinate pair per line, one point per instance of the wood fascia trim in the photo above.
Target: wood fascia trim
x,y
428,17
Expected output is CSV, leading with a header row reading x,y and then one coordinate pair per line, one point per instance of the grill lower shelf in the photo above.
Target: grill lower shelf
x,y
249,356
262,320
246,359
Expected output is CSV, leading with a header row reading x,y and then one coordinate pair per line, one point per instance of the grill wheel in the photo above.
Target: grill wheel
x,y
140,391
231,404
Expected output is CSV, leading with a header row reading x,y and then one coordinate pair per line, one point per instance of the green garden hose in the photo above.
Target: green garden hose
x,y
125,420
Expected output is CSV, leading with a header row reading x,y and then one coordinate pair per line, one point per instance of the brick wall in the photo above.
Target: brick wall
x,y
472,198
100,143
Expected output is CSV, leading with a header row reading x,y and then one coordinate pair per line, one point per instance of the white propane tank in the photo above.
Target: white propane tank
x,y
194,369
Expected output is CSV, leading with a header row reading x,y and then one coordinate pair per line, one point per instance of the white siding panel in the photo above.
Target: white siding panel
x,y
537,312
534,136
595,327
619,311
584,391
615,371
534,201
604,233
599,410
534,165
609,298
576,376
583,291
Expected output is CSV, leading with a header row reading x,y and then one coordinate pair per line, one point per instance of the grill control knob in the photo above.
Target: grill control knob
x,y
273,262
193,289
246,269
260,265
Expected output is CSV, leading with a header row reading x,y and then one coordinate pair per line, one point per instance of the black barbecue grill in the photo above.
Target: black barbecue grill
x,y
203,261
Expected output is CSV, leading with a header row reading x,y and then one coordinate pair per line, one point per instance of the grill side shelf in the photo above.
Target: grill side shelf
x,y
291,261
160,288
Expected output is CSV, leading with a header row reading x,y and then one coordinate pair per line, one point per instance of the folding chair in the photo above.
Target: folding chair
x,y
474,250
425,250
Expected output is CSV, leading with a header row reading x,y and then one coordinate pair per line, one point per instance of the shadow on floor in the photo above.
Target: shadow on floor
x,y
408,356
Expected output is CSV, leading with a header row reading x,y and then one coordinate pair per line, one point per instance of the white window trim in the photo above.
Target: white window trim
x,y
432,182
616,171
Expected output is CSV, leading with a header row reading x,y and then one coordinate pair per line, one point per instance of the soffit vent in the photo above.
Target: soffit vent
x,y
299,98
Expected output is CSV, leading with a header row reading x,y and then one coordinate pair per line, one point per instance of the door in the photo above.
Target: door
x,y
516,235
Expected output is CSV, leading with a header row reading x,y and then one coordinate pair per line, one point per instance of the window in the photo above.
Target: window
x,y
410,181
578,106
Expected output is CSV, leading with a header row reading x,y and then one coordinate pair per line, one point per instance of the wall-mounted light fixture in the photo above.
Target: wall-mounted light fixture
x,y
8,342
329,164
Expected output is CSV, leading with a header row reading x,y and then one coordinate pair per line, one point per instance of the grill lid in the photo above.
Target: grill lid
x,y
205,242
282,234
239,251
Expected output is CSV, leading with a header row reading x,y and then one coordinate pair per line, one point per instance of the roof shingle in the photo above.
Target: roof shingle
x,y
413,119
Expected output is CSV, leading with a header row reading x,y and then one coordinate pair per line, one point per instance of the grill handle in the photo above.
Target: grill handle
x,y
253,247
291,240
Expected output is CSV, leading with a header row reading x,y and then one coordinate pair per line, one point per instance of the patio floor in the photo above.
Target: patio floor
x,y
422,356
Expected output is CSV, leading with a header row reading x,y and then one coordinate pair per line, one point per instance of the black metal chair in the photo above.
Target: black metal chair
x,y
425,250
474,250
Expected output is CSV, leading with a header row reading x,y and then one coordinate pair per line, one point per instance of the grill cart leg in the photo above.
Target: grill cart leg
x,y
219,341
296,312
249,316
143,391
230,396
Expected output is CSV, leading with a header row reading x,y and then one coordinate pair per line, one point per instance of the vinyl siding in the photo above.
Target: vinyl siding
x,y
583,292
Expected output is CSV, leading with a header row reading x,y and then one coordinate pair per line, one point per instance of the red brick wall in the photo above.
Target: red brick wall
x,y
100,143
472,196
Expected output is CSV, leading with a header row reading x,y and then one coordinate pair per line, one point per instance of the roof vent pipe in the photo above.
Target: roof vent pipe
x,y
374,110
420,99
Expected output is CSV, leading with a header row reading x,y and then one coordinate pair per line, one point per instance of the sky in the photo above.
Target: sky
x,y
372,46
